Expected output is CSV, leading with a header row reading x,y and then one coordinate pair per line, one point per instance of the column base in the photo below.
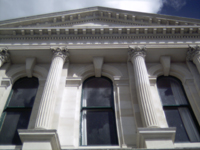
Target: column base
x,y
34,139
156,137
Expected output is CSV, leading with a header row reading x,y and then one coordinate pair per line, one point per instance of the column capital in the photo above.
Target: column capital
x,y
135,51
192,52
60,52
4,56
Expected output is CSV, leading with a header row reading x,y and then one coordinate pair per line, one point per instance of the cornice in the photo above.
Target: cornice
x,y
130,32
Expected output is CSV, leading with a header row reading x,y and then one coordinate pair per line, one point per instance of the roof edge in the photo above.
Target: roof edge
x,y
97,8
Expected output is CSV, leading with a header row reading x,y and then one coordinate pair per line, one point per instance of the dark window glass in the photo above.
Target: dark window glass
x,y
165,92
23,92
177,109
98,116
174,120
17,110
97,92
14,120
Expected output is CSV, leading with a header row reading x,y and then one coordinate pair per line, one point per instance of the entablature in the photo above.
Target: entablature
x,y
110,53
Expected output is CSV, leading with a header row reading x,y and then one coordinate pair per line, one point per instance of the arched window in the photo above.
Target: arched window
x,y
98,125
177,109
17,111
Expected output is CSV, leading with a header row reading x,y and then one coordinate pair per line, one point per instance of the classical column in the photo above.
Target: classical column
x,y
4,56
193,54
137,55
47,104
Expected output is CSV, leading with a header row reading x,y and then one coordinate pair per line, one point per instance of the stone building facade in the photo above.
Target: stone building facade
x,y
99,78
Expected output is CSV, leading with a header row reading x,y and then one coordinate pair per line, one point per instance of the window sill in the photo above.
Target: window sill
x,y
11,147
187,145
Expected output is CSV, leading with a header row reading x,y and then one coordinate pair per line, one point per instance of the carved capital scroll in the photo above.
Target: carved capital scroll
x,y
192,52
136,51
4,56
60,52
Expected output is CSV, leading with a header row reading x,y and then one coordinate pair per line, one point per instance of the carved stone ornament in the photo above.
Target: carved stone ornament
x,y
192,51
4,56
135,51
60,52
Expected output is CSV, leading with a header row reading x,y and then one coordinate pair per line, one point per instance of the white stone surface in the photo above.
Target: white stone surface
x,y
104,33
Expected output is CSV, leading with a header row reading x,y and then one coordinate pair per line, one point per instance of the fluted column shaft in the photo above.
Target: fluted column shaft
x,y
148,113
47,104
193,54
4,56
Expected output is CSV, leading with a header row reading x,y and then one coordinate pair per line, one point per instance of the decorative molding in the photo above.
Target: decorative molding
x,y
150,30
60,52
99,37
192,51
4,56
136,51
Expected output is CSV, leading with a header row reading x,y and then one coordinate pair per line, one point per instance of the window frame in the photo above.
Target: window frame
x,y
97,108
8,108
177,106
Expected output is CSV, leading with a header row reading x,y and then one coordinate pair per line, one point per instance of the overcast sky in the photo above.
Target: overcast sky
x,y
10,9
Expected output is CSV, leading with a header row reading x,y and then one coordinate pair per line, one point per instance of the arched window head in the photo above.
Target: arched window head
x,y
98,125
17,111
177,109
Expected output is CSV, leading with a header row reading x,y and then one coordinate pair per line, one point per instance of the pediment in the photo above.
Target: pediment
x,y
99,17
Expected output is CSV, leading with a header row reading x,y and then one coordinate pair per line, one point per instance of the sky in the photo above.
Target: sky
x,y
10,9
